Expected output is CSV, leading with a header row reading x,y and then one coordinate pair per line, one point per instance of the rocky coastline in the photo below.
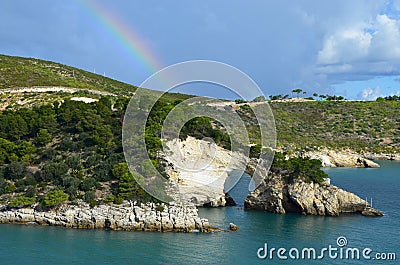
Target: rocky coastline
x,y
274,195
277,196
382,156
333,158
128,216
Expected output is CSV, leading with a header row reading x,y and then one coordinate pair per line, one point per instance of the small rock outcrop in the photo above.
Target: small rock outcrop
x,y
128,216
233,227
276,196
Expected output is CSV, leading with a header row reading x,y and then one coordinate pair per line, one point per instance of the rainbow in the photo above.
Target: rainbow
x,y
127,37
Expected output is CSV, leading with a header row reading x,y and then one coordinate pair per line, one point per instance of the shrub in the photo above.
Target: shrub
x,y
22,201
55,198
89,196
53,171
159,208
88,184
15,170
109,198
43,137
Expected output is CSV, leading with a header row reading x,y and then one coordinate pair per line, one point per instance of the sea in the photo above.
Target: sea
x,y
348,239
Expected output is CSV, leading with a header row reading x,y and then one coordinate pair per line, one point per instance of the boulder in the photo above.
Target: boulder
x,y
233,227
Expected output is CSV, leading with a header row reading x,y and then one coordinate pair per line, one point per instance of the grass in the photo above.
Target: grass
x,y
28,72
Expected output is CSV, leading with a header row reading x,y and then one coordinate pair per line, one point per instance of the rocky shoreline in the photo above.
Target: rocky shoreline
x,y
128,216
331,158
382,156
277,196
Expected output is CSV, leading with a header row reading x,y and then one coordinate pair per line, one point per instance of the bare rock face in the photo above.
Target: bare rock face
x,y
128,216
268,197
306,198
330,158
200,168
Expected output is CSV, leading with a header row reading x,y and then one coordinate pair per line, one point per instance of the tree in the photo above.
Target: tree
x,y
120,169
26,150
55,198
13,126
102,135
74,162
128,188
255,151
43,137
7,149
240,101
53,171
15,170
103,107
297,91
46,117
275,97
306,169
88,184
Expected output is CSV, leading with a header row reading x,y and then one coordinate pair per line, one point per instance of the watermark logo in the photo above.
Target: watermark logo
x,y
339,251
135,133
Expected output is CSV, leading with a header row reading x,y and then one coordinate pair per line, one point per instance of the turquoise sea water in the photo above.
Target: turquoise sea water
x,y
21,244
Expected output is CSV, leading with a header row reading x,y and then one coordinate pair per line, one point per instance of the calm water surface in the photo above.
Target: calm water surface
x,y
21,244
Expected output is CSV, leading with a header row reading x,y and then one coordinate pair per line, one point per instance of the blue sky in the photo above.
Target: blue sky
x,y
345,47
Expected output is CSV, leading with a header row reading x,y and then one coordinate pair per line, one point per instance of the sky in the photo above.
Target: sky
x,y
349,48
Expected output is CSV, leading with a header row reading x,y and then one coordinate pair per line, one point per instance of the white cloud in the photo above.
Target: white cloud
x,y
344,46
371,49
386,41
370,93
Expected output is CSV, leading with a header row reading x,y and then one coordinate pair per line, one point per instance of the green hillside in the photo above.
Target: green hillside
x,y
364,126
28,72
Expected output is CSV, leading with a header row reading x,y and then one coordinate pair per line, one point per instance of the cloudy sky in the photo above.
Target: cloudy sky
x,y
351,48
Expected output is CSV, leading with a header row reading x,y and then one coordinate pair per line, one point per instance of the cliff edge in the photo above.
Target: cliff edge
x,y
275,195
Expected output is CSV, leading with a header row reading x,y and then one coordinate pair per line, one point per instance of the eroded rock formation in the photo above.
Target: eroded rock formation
x,y
277,196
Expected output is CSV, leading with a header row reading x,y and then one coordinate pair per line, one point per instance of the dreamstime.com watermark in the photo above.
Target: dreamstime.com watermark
x,y
340,251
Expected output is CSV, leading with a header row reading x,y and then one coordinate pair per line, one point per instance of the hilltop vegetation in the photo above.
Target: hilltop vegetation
x,y
360,126
28,72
